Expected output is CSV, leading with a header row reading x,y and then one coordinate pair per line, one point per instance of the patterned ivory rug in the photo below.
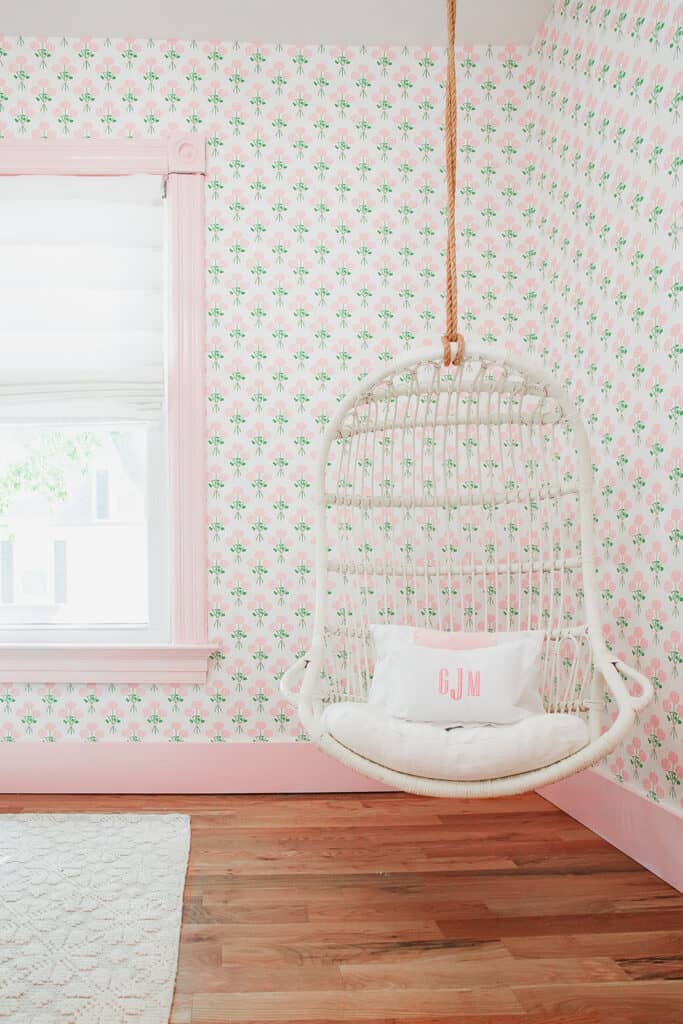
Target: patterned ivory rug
x,y
90,909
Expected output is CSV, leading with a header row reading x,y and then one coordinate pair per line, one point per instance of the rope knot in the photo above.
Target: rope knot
x,y
448,358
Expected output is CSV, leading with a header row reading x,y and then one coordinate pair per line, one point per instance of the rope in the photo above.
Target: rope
x,y
451,336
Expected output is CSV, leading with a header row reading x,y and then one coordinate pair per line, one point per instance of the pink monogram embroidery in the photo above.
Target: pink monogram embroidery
x,y
473,684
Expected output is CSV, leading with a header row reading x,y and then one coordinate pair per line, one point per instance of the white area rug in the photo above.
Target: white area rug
x,y
90,909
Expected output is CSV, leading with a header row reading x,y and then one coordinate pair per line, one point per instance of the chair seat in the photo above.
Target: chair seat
x,y
465,753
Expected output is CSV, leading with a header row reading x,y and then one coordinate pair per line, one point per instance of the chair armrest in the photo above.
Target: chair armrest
x,y
293,676
647,690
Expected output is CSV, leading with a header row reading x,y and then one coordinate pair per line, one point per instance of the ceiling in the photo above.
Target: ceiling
x,y
410,22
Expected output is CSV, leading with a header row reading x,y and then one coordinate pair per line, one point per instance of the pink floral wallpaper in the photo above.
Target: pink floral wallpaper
x,y
325,231
603,157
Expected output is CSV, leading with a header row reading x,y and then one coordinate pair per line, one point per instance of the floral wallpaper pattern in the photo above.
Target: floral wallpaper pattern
x,y
602,146
325,232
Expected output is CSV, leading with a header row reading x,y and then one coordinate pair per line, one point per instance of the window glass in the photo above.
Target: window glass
x,y
74,526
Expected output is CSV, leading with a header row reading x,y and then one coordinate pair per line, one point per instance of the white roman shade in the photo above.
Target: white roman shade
x,y
81,298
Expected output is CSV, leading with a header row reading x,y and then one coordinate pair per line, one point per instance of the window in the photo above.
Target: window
x,y
100,398
83,482
83,532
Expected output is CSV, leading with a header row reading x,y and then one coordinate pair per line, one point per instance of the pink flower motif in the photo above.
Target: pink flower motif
x,y
260,733
619,770
176,732
134,733
655,734
218,733
652,787
91,733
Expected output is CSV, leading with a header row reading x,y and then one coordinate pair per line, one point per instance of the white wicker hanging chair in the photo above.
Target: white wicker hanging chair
x,y
459,498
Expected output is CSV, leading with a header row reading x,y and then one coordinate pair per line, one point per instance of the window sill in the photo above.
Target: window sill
x,y
104,663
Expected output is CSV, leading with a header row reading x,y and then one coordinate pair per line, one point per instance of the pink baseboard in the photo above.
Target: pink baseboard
x,y
174,768
649,833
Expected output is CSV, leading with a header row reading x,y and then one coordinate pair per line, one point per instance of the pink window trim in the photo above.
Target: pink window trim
x,y
182,160
176,664
171,154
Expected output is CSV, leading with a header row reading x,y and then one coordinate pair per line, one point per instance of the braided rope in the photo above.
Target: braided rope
x,y
451,125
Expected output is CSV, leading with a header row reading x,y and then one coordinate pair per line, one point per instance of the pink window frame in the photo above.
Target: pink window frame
x,y
181,160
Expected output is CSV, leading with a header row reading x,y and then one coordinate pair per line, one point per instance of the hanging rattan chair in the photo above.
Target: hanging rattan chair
x,y
460,498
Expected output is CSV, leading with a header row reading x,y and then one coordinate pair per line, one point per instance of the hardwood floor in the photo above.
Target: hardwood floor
x,y
387,908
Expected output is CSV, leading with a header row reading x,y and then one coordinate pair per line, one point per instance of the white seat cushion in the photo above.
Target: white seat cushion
x,y
465,753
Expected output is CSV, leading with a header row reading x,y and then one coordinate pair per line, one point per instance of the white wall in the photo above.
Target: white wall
x,y
409,22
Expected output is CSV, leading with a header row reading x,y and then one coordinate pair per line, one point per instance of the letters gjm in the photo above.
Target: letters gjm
x,y
473,684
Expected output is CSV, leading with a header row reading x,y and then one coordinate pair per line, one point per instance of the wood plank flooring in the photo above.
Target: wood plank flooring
x,y
387,908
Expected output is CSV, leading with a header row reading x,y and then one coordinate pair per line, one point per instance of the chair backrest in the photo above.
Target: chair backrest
x,y
453,499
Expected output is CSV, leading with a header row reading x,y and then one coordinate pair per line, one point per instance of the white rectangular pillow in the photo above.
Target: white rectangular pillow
x,y
391,638
496,683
